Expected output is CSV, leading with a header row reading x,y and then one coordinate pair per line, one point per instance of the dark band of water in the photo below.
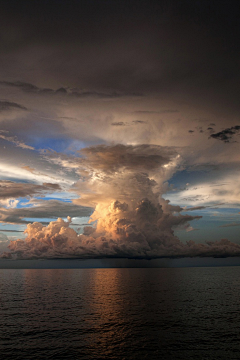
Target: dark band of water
x,y
187,313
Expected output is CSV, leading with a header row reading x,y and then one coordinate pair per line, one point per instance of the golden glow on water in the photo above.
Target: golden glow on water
x,y
106,311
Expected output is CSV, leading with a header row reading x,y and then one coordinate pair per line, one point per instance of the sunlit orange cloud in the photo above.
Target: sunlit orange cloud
x,y
133,220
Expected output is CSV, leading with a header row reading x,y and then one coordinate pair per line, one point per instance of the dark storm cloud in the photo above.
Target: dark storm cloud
x,y
195,208
195,198
134,122
9,105
226,135
203,207
10,189
23,86
168,111
184,49
12,231
30,88
139,122
119,123
208,167
134,157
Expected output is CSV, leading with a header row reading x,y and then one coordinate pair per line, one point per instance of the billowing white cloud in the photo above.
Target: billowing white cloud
x,y
123,239
131,219
125,184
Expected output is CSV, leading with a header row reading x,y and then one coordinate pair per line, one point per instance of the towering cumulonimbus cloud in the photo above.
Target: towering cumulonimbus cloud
x,y
125,184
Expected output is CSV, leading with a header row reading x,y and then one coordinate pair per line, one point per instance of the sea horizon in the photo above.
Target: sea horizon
x,y
117,263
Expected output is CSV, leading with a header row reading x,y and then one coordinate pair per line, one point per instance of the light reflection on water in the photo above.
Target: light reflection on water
x,y
191,313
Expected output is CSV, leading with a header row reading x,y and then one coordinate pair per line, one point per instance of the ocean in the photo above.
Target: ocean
x,y
141,313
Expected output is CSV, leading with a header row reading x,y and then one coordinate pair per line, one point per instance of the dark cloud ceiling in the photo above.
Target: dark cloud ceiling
x,y
112,47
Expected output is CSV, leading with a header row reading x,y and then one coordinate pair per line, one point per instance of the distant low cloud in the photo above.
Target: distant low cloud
x,y
230,225
195,208
214,206
9,105
190,228
43,209
15,141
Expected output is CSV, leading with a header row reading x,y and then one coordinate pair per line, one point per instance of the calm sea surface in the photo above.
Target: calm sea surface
x,y
181,313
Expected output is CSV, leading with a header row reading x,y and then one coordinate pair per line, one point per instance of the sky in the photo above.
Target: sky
x,y
119,130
